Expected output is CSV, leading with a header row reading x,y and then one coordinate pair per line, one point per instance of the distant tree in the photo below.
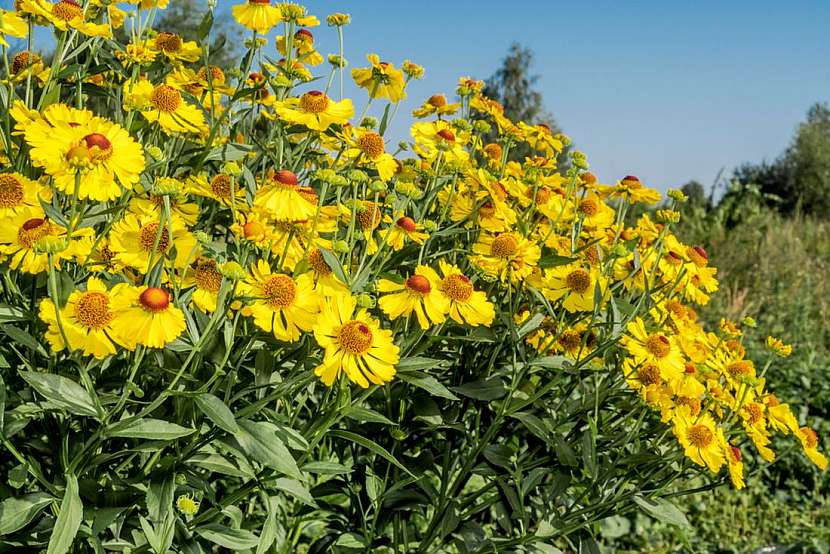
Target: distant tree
x,y
696,193
513,86
799,179
183,17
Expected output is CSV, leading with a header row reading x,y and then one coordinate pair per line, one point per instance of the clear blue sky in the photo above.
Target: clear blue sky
x,y
666,90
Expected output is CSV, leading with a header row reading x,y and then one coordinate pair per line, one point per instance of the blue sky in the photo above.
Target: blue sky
x,y
666,90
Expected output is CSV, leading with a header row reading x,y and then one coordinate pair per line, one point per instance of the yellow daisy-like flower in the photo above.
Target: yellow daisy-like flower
x,y
283,200
574,284
25,63
439,136
173,114
702,439
315,110
303,43
809,442
506,255
257,15
12,25
150,318
205,277
17,192
369,147
654,348
86,322
418,294
735,466
404,229
633,190
135,236
63,15
325,281
21,234
381,79
221,187
100,152
467,305
281,304
175,48
437,104
355,344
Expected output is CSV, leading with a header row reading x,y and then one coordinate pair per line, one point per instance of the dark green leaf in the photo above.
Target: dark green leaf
x,y
217,412
17,513
63,392
69,519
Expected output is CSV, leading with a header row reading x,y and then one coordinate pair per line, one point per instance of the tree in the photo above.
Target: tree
x,y
696,194
512,85
183,17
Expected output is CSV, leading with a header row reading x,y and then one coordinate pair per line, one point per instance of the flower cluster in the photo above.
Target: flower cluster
x,y
163,204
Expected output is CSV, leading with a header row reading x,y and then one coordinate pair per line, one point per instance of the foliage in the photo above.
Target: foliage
x,y
233,320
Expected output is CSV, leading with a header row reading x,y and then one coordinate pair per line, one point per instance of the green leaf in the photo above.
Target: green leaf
x,y
334,264
491,389
17,513
11,313
295,489
371,445
24,338
384,122
159,497
269,529
152,429
662,510
326,468
69,519
498,455
428,383
233,539
553,260
531,325
62,391
359,413
217,412
260,441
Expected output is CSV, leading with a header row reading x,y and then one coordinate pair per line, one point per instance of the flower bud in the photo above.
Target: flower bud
x,y
338,19
482,127
342,247
155,152
358,176
203,237
51,245
365,300
370,122
232,270
678,195
377,186
338,61
231,168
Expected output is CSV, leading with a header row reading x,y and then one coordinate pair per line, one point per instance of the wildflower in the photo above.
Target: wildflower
x,y
381,79
101,154
338,19
283,200
574,284
654,348
12,25
20,234
506,255
631,189
735,465
258,15
702,440
809,441
204,275
418,294
64,15
86,321
187,505
281,304
176,49
353,343
436,104
137,239
149,318
778,347
314,110
404,229
171,112
467,305
17,192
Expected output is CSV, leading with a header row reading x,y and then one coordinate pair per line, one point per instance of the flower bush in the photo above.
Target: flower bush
x,y
232,317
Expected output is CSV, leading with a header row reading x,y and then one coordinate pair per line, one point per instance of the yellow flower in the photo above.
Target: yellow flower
x,y
134,237
315,110
735,466
282,199
433,137
654,348
175,48
187,505
281,304
418,294
506,255
809,442
369,147
86,321
575,285
205,277
381,79
150,318
778,347
701,438
257,15
21,234
325,281
467,305
101,154
436,104
173,114
11,25
303,44
403,229
64,14
631,189
16,192
354,343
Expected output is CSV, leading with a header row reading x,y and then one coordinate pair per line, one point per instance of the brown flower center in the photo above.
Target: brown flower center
x,y
285,177
578,281
739,369
810,437
220,186
98,146
457,287
279,291
649,374
355,337
314,102
418,283
67,10
700,436
504,245
407,224
588,207
207,277
11,191
658,345
493,151
371,144
632,182
147,238
368,218
446,134
32,230
22,60
168,42
318,262
165,98
154,299
92,310
217,76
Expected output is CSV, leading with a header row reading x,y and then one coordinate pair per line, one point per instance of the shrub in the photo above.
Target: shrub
x,y
233,319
